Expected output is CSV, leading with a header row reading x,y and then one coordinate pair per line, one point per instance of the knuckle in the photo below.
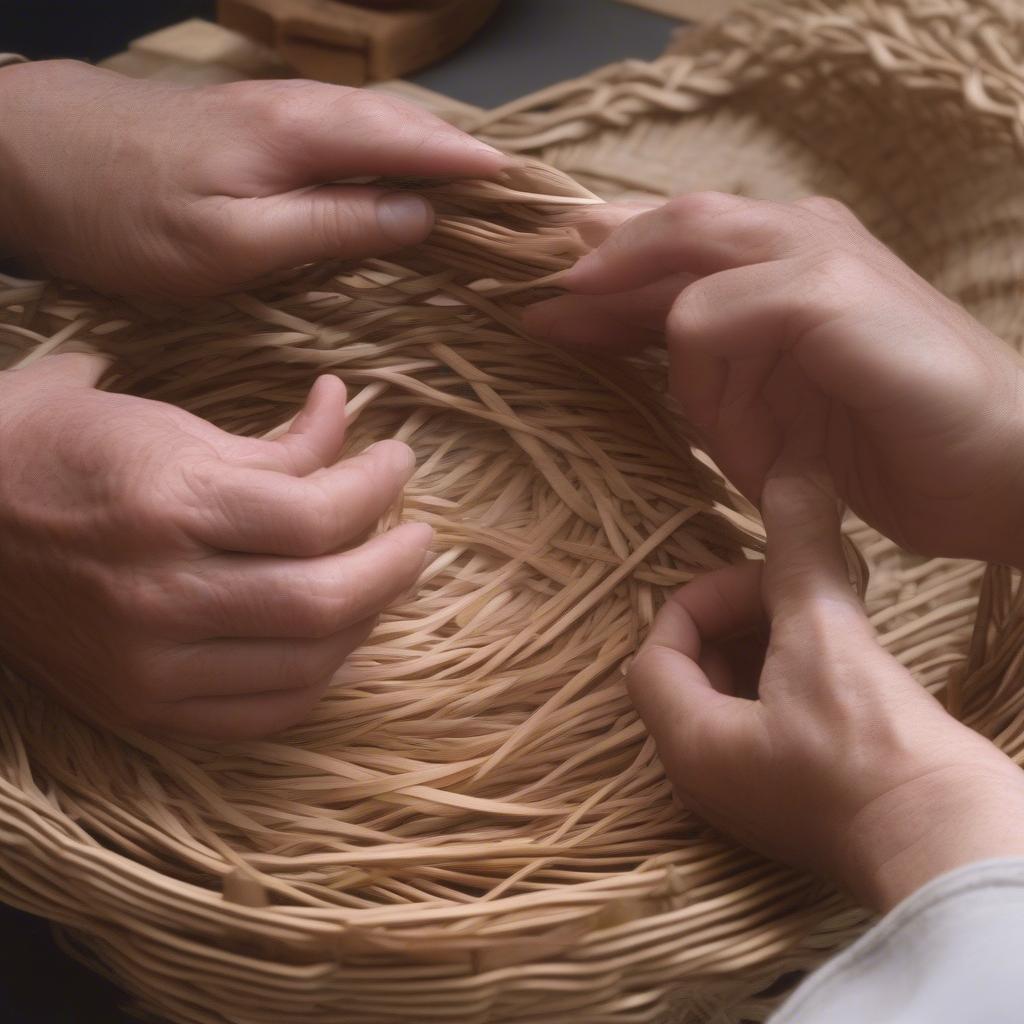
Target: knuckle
x,y
690,314
201,243
151,507
234,95
758,229
827,638
312,517
323,606
284,112
369,111
827,207
200,517
273,104
195,485
694,206
835,277
153,602
794,500
333,228
325,614
186,224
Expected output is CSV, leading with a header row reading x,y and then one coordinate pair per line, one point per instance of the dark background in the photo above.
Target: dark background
x,y
529,44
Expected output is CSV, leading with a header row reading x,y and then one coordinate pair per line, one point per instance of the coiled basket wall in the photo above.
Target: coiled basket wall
x,y
473,826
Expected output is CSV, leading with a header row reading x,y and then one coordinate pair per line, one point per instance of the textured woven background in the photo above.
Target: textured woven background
x,y
912,114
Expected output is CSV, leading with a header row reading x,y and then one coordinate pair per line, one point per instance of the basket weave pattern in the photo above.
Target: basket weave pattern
x,y
472,826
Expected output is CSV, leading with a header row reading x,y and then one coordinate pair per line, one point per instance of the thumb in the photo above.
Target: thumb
x,y
68,369
805,561
332,222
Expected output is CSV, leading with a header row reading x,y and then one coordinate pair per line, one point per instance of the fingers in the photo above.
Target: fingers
x,y
331,222
244,596
725,334
596,223
315,437
738,313
718,604
260,511
320,133
351,132
233,668
688,717
702,233
230,719
806,575
70,369
676,701
626,321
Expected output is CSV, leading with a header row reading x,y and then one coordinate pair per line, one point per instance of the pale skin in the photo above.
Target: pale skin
x,y
205,584
210,584
814,364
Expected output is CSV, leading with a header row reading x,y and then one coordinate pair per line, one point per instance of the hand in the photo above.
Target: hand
x,y
156,189
790,325
781,720
167,575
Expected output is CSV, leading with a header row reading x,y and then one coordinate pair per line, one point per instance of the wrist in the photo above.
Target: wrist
x,y
943,821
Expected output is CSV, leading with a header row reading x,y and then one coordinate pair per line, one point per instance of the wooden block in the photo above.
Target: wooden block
x,y
202,42
163,69
391,41
324,63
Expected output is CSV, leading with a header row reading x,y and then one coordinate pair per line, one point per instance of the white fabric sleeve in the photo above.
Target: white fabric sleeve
x,y
952,953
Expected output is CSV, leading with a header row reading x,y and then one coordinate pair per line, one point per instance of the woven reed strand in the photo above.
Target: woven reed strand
x,y
472,826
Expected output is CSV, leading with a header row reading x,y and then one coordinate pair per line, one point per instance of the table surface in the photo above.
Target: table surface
x,y
528,45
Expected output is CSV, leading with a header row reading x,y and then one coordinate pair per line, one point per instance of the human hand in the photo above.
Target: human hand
x,y
167,575
781,720
790,325
157,189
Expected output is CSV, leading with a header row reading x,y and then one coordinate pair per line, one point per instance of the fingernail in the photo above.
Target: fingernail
x,y
482,147
404,217
424,532
408,455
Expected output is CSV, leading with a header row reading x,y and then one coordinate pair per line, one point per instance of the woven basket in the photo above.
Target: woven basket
x,y
472,826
